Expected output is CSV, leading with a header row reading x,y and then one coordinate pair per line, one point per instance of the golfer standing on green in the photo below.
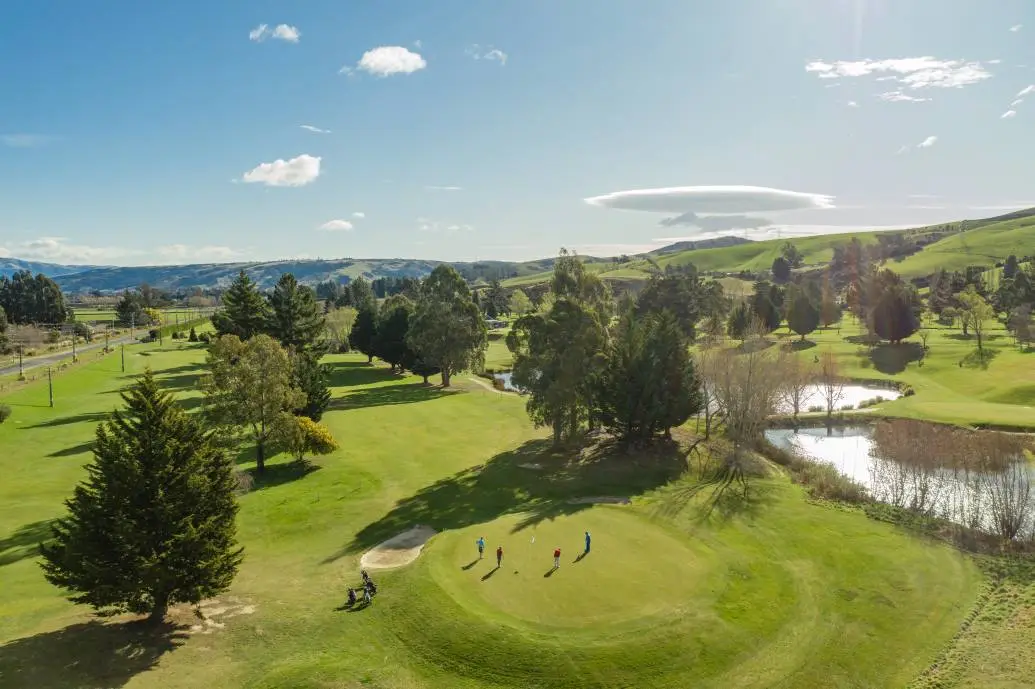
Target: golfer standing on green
x,y
587,543
481,546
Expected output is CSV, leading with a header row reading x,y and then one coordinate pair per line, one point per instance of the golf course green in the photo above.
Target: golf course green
x,y
679,590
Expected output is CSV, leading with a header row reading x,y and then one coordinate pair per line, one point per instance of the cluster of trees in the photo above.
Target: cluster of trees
x,y
136,308
805,305
33,299
633,377
441,331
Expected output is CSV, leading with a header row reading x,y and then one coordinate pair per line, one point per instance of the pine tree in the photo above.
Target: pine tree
x,y
739,320
392,327
310,376
153,523
363,335
294,317
244,310
803,316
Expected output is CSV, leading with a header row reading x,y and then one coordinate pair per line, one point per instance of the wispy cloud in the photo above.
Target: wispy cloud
x,y
994,62
899,97
336,226
25,140
1026,90
386,60
65,251
315,130
281,32
1008,114
910,72
297,172
359,215
928,142
435,187
429,225
486,53
1016,27
1016,102
853,104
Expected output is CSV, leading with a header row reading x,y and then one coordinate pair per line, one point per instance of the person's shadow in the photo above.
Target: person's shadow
x,y
491,572
579,558
470,564
549,573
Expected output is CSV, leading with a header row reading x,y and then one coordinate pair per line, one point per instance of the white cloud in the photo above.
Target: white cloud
x,y
435,187
853,104
994,62
899,97
315,130
281,32
429,225
1026,90
912,72
61,250
387,60
25,140
487,53
712,208
902,149
1008,114
1016,102
359,215
1016,27
336,226
1005,206
417,44
297,172
928,142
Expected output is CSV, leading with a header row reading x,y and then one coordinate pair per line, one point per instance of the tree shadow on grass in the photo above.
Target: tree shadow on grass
x,y
281,473
72,451
800,345
92,655
402,393
183,381
503,486
24,543
864,339
352,373
893,358
93,416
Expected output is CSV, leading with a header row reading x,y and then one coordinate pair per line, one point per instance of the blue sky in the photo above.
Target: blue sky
x,y
137,132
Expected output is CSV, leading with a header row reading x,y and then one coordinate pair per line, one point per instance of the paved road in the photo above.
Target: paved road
x,y
57,357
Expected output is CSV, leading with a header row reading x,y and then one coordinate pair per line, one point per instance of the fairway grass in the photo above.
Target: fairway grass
x,y
679,591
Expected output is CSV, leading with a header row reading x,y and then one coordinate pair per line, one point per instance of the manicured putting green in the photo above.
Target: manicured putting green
x,y
635,568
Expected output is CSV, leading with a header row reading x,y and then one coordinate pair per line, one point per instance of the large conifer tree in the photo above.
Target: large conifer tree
x,y
153,522
294,317
244,310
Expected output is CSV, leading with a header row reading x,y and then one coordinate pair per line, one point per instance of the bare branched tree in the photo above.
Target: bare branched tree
x,y
799,377
831,384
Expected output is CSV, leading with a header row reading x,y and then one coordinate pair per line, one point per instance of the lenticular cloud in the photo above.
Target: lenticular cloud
x,y
712,207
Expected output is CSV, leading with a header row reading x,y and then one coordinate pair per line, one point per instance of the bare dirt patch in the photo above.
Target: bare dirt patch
x,y
399,550
600,500
211,615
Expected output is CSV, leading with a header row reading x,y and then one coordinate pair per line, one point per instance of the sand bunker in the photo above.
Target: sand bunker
x,y
399,550
600,499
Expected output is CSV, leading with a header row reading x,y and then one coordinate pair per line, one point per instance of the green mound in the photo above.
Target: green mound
x,y
634,570
1021,394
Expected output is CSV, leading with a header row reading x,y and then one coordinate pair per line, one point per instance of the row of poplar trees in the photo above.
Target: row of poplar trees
x,y
585,363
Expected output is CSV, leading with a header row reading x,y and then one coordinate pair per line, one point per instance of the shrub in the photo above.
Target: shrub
x,y
908,391
301,435
175,335
871,402
82,330
5,412
53,336
193,336
205,337
816,408
847,407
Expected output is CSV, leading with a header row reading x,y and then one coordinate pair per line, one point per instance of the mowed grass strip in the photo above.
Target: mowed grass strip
x,y
780,593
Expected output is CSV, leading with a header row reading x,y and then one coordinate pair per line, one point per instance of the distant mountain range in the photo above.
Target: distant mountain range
x,y
73,279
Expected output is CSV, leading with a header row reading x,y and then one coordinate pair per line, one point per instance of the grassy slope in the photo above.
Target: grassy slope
x,y
776,598
982,246
1000,391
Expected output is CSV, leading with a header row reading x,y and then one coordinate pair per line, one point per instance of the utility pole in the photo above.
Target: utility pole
x,y
132,323
123,358
21,373
107,334
50,385
75,357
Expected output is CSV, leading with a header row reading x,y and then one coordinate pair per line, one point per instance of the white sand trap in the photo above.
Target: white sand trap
x,y
398,550
600,499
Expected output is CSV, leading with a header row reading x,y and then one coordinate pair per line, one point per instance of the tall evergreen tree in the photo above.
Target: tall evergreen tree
x,y
153,522
677,291
361,295
363,335
310,377
447,329
781,270
739,321
392,329
802,316
648,384
294,317
129,310
894,318
765,309
32,299
244,311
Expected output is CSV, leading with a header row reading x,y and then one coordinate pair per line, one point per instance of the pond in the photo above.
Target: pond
x,y
977,499
851,395
505,378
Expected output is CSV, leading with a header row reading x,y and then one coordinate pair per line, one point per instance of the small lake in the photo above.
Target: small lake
x,y
851,395
505,378
972,498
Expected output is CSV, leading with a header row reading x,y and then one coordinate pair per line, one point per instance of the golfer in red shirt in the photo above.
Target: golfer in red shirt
x,y
499,556
556,558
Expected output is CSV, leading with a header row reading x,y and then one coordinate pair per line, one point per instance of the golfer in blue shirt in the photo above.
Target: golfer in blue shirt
x,y
587,542
481,546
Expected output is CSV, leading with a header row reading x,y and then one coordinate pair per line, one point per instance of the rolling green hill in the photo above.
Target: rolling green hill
x,y
982,246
